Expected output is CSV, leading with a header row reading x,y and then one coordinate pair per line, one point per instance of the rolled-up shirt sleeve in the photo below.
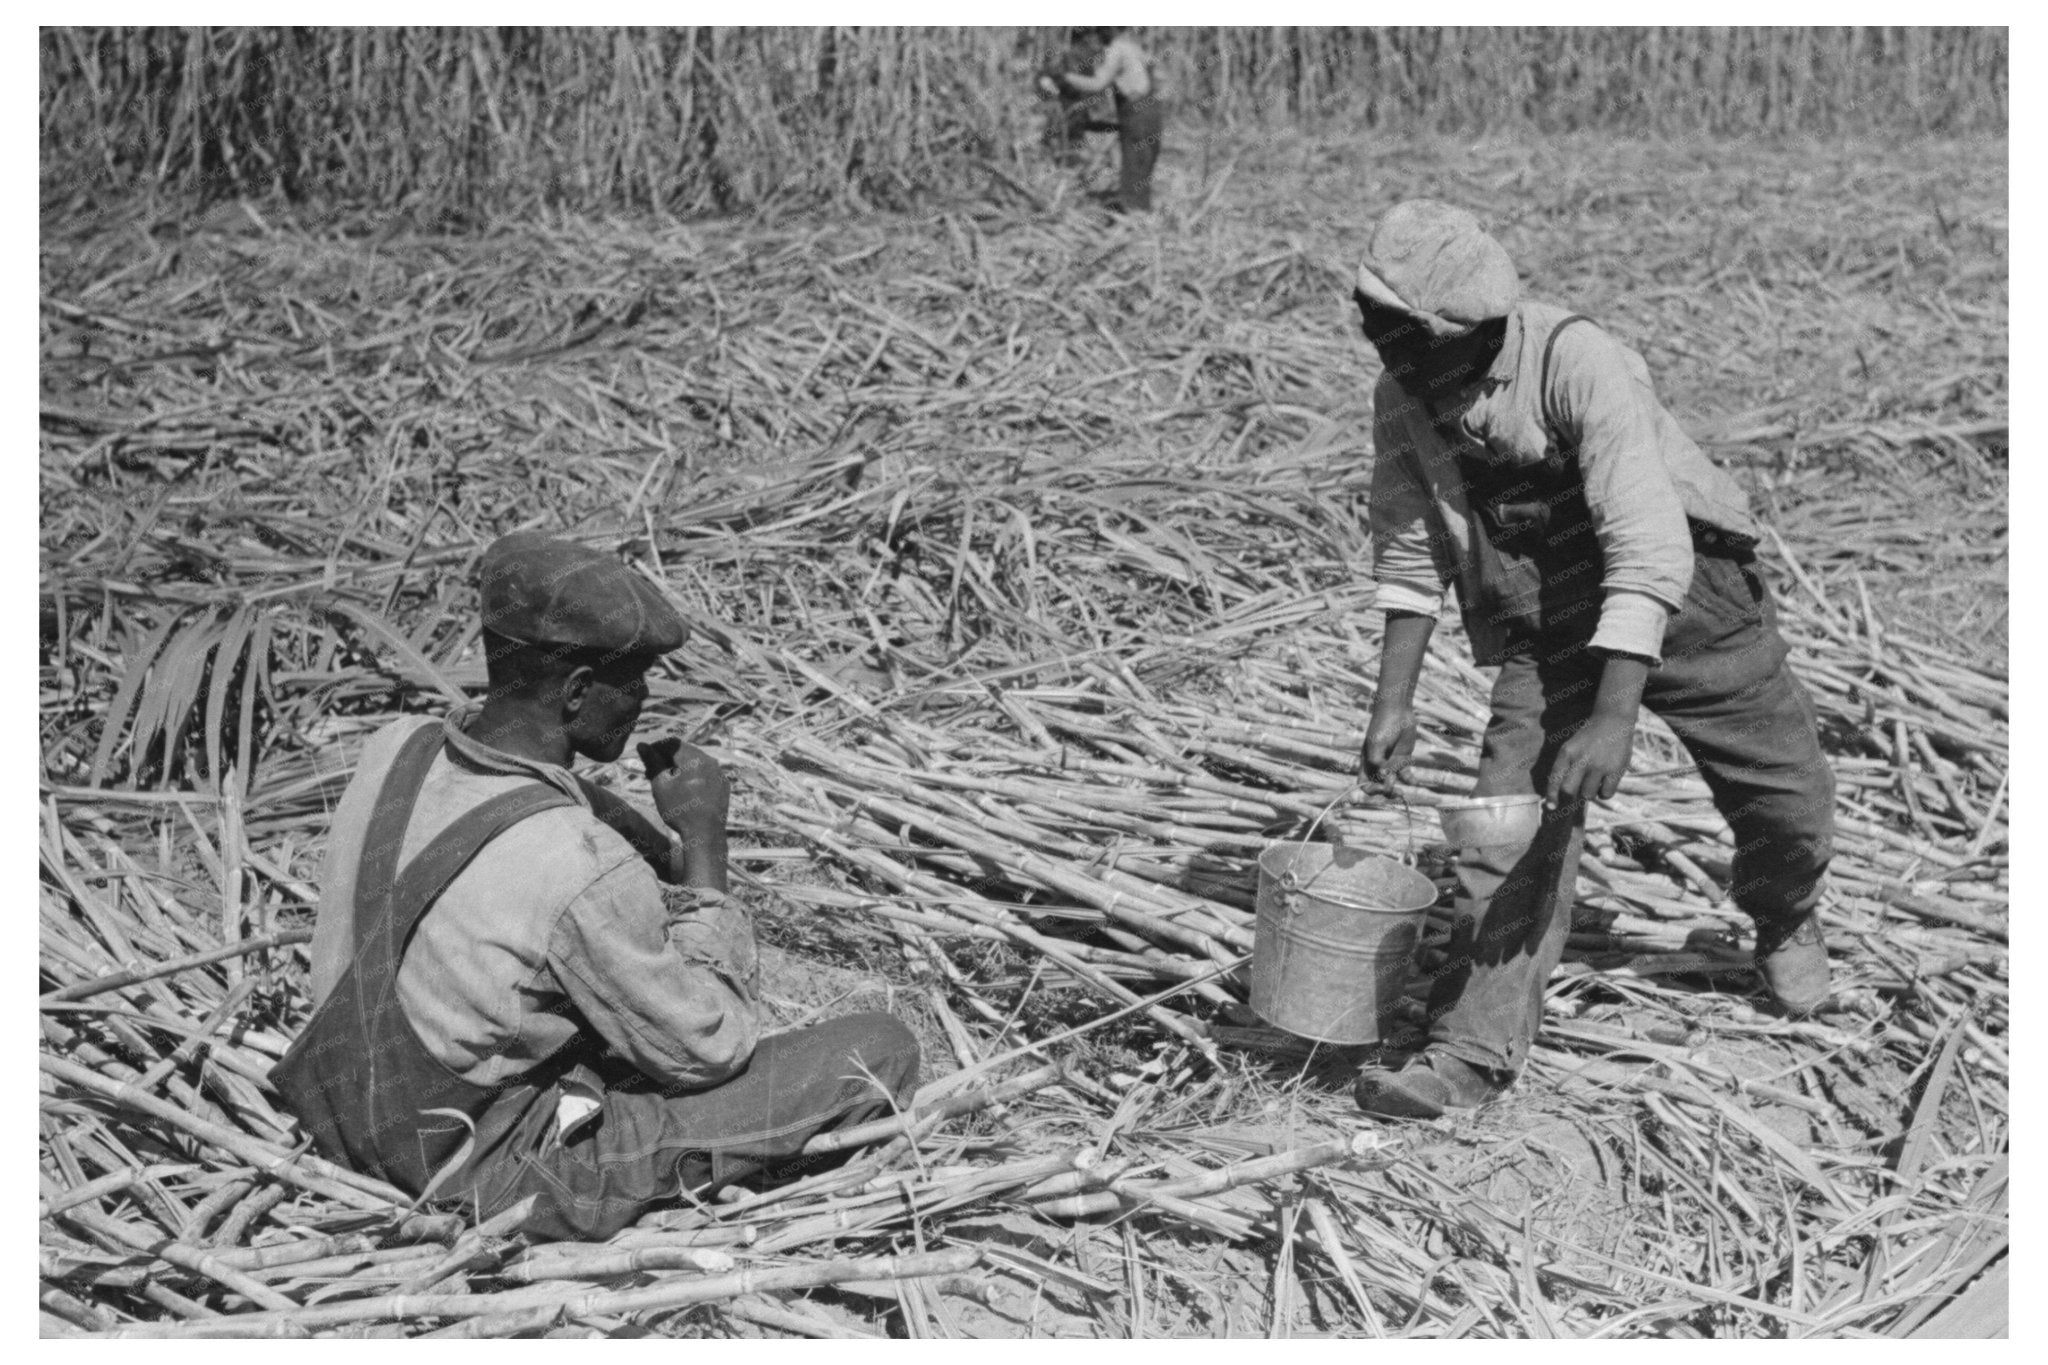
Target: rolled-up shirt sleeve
x,y
1631,623
668,981
1638,517
1407,572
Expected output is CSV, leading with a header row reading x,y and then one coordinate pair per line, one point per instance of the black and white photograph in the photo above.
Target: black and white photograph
x,y
873,682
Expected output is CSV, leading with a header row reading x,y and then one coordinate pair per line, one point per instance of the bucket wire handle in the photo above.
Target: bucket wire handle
x,y
1289,880
1324,813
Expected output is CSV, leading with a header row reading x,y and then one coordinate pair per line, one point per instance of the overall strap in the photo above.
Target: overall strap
x,y
359,1078
1550,419
428,875
377,866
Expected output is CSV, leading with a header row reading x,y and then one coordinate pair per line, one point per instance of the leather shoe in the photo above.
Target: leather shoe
x,y
1793,961
1426,1087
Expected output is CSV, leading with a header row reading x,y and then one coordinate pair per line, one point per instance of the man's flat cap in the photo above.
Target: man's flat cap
x,y
1436,263
543,591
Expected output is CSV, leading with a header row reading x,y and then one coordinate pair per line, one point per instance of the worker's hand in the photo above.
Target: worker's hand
x,y
690,789
1389,743
1591,764
1048,86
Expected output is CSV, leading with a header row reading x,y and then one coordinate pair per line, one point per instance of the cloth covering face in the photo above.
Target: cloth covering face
x,y
557,923
1647,488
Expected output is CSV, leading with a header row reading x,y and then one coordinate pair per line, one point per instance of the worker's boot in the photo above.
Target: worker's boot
x,y
1793,962
1430,1083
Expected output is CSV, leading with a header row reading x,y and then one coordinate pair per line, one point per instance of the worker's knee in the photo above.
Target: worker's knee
x,y
1786,833
881,1046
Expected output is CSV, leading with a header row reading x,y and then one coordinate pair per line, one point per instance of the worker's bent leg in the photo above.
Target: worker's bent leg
x,y
1727,693
647,1147
1514,901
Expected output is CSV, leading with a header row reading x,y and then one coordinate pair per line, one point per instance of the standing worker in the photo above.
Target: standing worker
x,y
1126,70
1071,116
506,1002
1602,563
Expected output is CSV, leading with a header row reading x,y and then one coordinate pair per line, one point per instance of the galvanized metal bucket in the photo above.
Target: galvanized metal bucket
x,y
1336,935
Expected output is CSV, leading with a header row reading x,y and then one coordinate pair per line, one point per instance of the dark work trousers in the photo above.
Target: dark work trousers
x,y
1725,690
647,1147
1140,122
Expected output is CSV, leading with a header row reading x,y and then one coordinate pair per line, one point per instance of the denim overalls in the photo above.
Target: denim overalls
x,y
1723,687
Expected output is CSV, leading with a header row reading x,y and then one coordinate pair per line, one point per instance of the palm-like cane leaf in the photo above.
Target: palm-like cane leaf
x,y
131,689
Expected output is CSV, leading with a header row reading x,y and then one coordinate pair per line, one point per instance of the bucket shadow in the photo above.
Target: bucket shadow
x,y
1331,1067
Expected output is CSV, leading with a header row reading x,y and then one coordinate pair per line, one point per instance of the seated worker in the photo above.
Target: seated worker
x,y
1140,119
507,1001
1602,564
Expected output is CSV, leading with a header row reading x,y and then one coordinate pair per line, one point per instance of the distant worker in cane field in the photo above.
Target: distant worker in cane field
x,y
1603,564
1140,119
1070,115
509,1001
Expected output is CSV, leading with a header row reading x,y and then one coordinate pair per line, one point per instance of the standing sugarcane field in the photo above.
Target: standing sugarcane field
x,y
874,683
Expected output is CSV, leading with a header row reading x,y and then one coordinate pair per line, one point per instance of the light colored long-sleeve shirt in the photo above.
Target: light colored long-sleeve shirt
x,y
557,919
1644,479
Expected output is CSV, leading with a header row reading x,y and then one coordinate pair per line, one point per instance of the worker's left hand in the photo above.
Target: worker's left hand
x,y
690,789
1591,764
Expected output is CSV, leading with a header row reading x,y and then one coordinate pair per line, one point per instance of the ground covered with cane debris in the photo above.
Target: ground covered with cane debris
x,y
1024,552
